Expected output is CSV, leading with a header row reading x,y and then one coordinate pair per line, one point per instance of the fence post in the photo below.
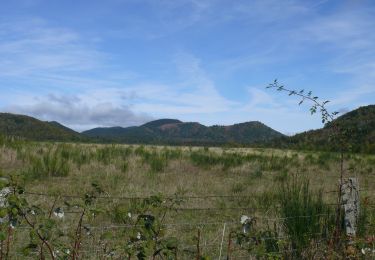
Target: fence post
x,y
229,246
198,246
350,204
222,241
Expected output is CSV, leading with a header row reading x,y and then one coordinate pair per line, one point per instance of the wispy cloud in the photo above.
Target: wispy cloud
x,y
83,111
194,92
36,47
120,63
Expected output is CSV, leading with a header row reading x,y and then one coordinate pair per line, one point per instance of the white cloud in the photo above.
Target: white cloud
x,y
97,108
115,105
193,93
59,58
31,46
353,96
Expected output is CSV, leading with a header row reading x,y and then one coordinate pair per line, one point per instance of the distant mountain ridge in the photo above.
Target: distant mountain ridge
x,y
358,124
358,129
161,131
34,129
173,131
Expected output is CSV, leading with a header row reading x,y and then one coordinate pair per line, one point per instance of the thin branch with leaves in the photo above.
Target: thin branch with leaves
x,y
338,134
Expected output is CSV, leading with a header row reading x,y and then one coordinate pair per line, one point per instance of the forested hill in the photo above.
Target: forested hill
x,y
172,131
356,127
33,129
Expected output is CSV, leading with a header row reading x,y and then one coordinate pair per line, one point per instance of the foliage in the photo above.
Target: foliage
x,y
353,131
169,131
146,236
262,243
305,215
50,164
34,129
219,186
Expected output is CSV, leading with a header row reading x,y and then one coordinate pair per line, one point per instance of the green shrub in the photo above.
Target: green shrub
x,y
51,164
157,163
238,188
304,214
207,159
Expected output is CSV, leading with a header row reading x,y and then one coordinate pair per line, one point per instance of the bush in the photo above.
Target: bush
x,y
51,164
238,188
157,163
304,214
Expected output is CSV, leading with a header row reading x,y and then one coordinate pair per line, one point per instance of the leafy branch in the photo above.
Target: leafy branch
x,y
317,104
338,132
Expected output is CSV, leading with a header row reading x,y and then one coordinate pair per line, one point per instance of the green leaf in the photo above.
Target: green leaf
x,y
171,243
3,183
14,211
3,212
3,236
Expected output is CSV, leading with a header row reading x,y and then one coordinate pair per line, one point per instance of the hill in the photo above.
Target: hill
x,y
357,130
172,131
358,126
30,128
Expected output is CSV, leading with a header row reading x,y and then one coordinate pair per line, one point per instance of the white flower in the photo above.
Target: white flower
x,y
139,236
129,215
244,219
32,212
364,250
246,223
87,229
58,212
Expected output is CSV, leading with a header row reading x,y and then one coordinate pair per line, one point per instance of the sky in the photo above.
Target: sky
x,y
90,63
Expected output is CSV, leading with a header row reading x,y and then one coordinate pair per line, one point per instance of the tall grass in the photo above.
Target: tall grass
x,y
50,164
304,214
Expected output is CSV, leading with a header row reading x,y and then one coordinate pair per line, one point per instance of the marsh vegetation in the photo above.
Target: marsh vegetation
x,y
93,201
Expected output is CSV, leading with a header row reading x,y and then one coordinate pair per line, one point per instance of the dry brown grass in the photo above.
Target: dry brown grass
x,y
257,178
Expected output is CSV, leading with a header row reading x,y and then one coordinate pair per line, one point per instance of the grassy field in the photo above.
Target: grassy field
x,y
90,201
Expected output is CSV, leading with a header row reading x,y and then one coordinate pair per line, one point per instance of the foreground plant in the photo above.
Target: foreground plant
x,y
46,237
338,135
145,236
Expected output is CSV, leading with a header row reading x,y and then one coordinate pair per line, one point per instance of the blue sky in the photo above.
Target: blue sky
x,y
126,62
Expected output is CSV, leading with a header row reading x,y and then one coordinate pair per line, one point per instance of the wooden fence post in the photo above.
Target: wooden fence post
x,y
198,246
229,246
350,203
222,241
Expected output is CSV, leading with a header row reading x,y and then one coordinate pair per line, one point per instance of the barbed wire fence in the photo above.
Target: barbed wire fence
x,y
219,244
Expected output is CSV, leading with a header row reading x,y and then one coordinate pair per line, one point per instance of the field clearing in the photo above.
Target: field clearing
x,y
190,191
